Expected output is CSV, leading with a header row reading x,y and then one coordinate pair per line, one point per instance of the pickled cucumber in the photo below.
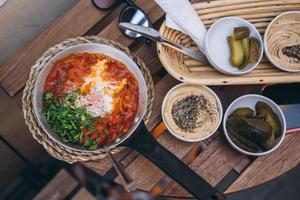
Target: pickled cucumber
x,y
254,50
265,112
246,51
236,51
240,141
255,130
245,111
241,32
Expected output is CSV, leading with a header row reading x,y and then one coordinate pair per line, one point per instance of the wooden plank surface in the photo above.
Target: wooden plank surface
x,y
144,173
14,130
265,168
212,164
59,187
83,194
80,18
10,169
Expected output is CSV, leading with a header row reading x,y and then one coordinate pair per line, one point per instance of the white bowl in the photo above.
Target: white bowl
x,y
265,44
217,49
250,101
219,105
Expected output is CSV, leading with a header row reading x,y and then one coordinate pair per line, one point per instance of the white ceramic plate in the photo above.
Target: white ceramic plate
x,y
249,101
217,49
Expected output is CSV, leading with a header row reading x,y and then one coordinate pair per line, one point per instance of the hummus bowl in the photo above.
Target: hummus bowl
x,y
283,33
197,107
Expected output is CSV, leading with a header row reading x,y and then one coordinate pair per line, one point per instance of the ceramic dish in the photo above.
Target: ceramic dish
x,y
179,92
288,17
249,101
217,49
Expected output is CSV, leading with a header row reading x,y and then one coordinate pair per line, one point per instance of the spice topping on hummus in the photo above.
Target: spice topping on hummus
x,y
191,111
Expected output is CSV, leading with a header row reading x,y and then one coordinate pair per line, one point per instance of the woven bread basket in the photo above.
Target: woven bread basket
x,y
257,12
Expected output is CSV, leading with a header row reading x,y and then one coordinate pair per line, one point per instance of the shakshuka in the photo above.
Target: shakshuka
x,y
90,99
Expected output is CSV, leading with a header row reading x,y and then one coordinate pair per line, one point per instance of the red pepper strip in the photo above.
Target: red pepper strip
x,y
102,138
94,134
86,135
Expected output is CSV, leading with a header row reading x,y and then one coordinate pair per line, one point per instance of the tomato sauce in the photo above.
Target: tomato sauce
x,y
69,73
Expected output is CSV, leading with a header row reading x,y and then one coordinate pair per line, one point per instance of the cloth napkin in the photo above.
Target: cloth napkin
x,y
181,16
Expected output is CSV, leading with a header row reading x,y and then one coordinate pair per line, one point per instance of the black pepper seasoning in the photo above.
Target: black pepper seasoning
x,y
185,111
292,52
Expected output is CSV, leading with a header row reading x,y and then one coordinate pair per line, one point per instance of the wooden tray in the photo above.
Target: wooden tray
x,y
258,12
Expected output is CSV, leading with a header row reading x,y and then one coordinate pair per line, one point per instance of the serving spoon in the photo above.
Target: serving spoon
x,y
125,177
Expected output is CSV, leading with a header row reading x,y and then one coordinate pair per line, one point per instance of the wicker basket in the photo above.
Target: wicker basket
x,y
258,12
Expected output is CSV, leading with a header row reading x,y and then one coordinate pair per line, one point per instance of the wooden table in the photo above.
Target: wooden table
x,y
213,159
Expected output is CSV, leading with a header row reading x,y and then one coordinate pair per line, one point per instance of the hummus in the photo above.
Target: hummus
x,y
284,32
207,113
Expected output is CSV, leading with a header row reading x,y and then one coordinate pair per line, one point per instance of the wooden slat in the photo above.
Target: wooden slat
x,y
10,169
267,167
14,130
83,194
241,166
147,52
161,89
75,22
212,164
59,187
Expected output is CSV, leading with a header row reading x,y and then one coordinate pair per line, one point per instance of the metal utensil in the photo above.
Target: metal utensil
x,y
155,36
125,177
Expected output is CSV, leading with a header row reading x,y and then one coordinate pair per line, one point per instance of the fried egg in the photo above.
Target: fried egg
x,y
96,94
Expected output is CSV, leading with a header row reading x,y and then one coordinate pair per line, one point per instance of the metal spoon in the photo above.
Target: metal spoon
x,y
125,177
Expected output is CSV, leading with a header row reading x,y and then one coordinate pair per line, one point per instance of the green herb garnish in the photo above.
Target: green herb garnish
x,y
67,120
90,144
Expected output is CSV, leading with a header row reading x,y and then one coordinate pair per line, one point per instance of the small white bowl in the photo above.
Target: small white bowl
x,y
165,101
249,101
217,49
265,43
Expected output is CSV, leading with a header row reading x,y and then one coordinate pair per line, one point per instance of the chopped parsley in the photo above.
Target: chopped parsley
x,y
67,120
90,144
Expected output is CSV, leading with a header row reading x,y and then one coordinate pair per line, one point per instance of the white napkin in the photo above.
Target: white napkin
x,y
2,2
181,15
